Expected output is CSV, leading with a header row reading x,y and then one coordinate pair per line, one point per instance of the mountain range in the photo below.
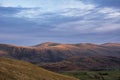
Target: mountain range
x,y
66,57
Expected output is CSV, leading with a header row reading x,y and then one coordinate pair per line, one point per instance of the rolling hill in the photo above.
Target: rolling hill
x,y
18,70
56,55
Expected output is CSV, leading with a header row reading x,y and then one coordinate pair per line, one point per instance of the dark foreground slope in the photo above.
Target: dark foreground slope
x,y
18,70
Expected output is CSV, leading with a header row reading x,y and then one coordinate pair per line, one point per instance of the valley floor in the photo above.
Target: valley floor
x,y
94,75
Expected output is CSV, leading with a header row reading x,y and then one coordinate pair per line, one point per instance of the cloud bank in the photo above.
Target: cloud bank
x,y
63,21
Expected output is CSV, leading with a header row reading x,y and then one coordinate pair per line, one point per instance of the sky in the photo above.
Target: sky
x,y
31,22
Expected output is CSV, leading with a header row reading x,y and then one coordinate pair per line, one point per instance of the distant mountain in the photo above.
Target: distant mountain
x,y
78,55
47,44
112,44
18,70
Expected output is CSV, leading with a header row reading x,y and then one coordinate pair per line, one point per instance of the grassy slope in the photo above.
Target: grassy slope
x,y
18,70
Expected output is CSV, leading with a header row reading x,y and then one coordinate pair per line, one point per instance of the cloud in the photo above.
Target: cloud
x,y
30,13
110,12
108,27
73,21
11,11
104,3
78,19
98,20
